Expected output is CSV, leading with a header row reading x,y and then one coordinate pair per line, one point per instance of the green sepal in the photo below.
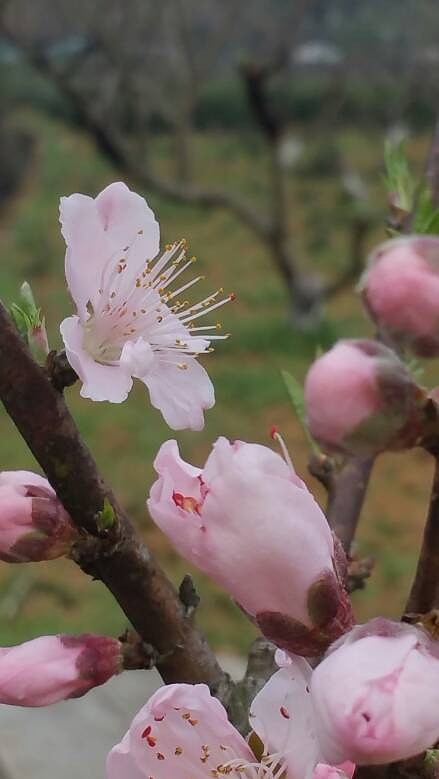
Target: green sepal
x,y
297,397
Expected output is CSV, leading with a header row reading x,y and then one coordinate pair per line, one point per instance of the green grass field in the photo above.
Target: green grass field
x,y
245,370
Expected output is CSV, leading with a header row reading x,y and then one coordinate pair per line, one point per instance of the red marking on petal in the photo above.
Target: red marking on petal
x,y
159,717
186,502
285,713
160,756
146,732
151,741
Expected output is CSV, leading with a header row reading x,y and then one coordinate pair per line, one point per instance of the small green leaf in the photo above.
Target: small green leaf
x,y
296,395
107,517
20,319
30,323
400,182
426,218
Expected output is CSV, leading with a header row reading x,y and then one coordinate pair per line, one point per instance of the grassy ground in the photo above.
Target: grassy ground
x,y
245,370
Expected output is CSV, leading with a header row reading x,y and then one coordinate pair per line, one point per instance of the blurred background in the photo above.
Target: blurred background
x,y
255,130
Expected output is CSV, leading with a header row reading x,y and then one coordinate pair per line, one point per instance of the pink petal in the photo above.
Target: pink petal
x,y
123,213
120,762
87,248
183,474
100,382
181,732
137,357
21,479
180,395
282,716
176,476
252,456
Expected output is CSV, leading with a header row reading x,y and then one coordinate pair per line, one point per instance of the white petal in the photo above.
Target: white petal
x,y
100,382
137,357
180,394
123,213
282,716
87,247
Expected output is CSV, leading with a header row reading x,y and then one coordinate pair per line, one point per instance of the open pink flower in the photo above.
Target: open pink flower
x,y
129,322
181,731
52,668
249,522
34,525
376,694
282,715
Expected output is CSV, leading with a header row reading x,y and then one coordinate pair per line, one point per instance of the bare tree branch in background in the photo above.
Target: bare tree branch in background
x,y
117,82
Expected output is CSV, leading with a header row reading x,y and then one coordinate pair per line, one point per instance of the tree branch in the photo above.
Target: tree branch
x,y
346,489
359,231
109,551
424,594
114,150
260,667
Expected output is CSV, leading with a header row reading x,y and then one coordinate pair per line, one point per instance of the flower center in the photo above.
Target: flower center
x,y
135,301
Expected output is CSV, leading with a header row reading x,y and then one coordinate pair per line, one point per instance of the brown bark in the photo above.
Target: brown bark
x,y
346,488
424,594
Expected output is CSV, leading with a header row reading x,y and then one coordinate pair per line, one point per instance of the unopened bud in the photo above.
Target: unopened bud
x,y
400,289
375,695
362,399
52,668
34,525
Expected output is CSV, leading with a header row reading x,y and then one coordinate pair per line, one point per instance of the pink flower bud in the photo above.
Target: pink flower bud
x,y
53,668
249,522
181,732
34,525
401,292
361,398
376,694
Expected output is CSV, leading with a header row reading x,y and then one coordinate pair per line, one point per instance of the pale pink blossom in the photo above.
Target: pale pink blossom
x,y
52,668
401,291
376,694
133,320
249,522
282,716
361,398
182,731
34,525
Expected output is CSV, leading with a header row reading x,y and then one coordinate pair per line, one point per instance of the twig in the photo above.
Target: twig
x,y
346,487
260,667
110,551
424,594
359,231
